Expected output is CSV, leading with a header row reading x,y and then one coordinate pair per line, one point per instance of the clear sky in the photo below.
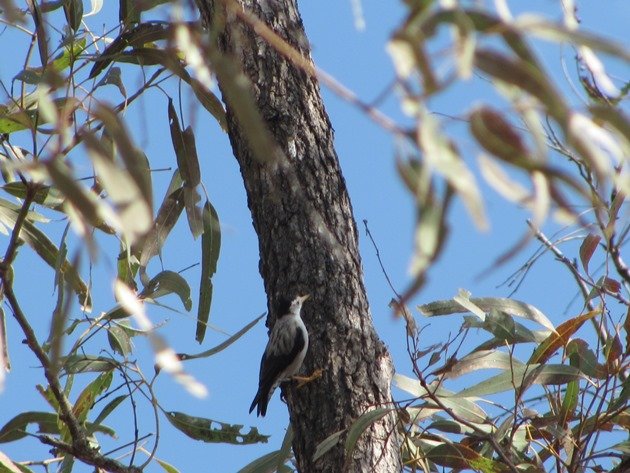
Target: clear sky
x,y
358,59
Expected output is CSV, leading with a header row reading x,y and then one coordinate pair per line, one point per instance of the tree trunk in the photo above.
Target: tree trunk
x,y
308,242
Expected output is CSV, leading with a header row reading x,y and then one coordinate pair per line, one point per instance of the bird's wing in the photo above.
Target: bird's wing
x,y
272,364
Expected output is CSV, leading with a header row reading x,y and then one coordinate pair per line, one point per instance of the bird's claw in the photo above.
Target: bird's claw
x,y
304,380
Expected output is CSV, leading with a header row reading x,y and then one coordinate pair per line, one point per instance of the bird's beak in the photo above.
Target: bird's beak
x,y
303,298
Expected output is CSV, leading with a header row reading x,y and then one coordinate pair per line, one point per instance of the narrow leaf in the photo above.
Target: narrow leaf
x,y
225,344
361,424
210,248
327,444
560,337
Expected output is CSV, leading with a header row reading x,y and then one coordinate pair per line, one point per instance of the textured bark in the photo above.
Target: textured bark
x,y
308,243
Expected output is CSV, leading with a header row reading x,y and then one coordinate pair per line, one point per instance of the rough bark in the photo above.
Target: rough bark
x,y
308,243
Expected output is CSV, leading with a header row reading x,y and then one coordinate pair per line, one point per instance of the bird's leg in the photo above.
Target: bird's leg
x,y
304,380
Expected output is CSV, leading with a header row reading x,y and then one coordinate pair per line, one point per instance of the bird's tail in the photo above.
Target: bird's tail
x,y
261,399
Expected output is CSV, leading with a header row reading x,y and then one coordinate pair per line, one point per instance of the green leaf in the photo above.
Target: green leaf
x,y
88,396
137,36
212,431
167,466
119,340
16,428
169,282
327,444
74,364
266,463
522,376
73,9
225,344
109,408
210,248
361,424
46,250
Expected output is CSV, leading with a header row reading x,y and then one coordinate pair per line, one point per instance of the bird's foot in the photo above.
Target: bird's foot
x,y
304,380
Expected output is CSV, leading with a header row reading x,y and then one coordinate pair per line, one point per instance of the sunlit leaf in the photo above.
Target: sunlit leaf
x,y
169,282
560,337
460,456
484,359
7,465
515,378
510,306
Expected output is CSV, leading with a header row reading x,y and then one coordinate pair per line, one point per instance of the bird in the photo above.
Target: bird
x,y
285,351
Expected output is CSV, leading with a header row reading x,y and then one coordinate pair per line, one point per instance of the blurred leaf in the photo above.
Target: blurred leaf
x,y
225,344
46,250
493,131
210,248
361,424
7,465
587,248
136,36
237,92
212,431
169,282
93,210
136,162
70,53
442,156
31,118
131,206
510,306
560,337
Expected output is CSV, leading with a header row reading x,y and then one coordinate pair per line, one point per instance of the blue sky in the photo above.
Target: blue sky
x,y
359,60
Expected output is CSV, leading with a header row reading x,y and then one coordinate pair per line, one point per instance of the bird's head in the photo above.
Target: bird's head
x,y
286,306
